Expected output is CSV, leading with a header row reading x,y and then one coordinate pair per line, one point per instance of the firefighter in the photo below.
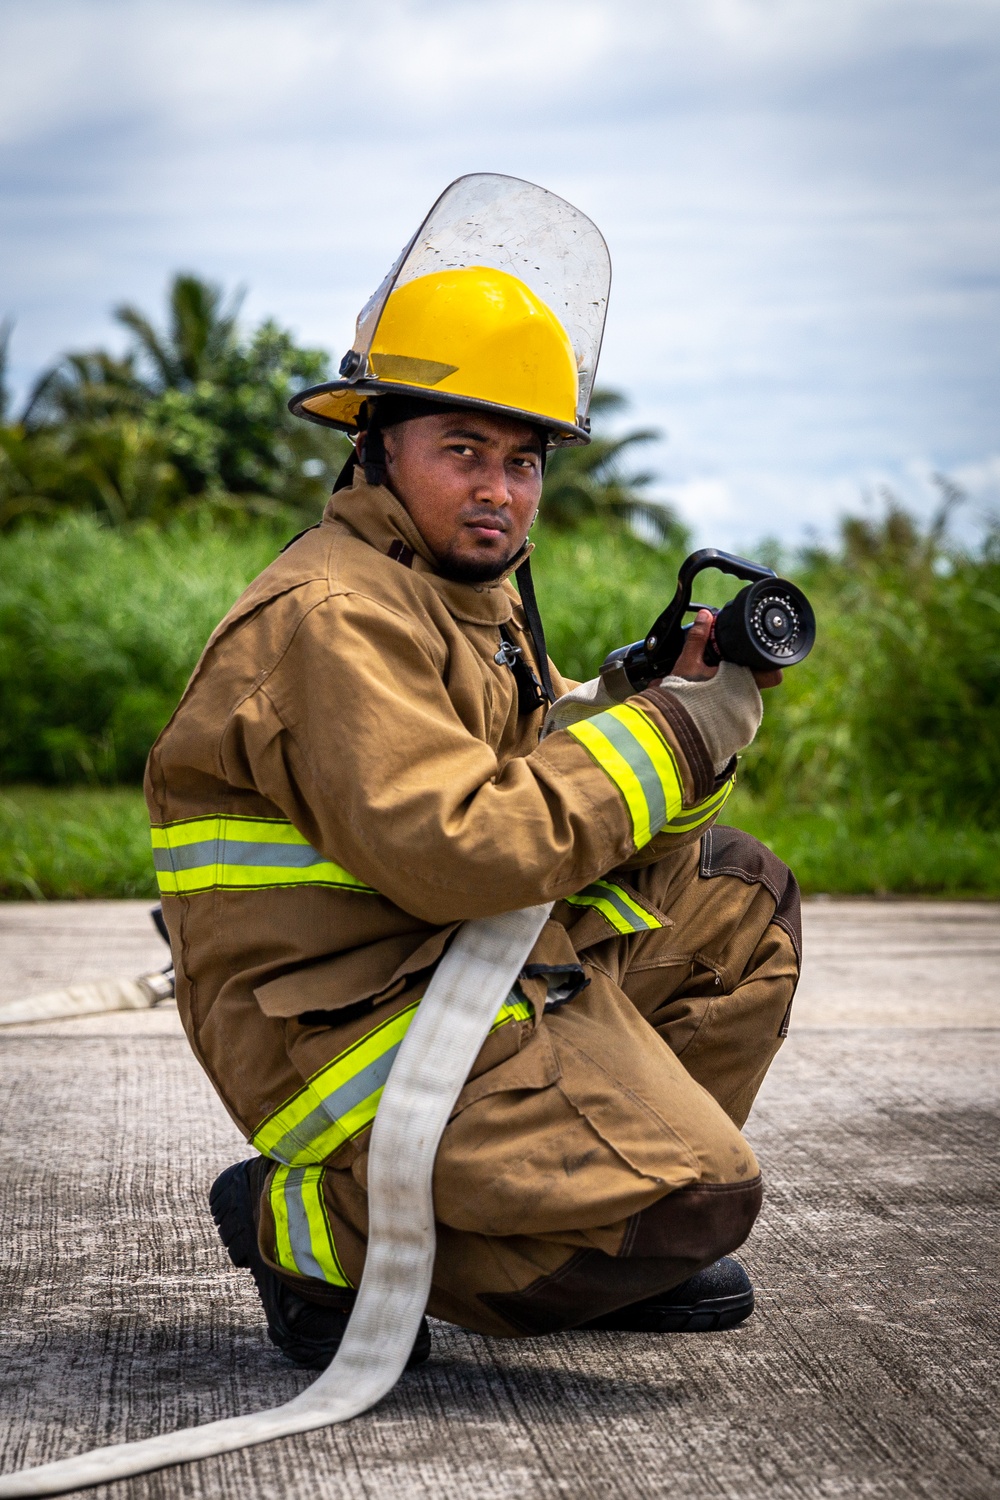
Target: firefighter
x,y
366,756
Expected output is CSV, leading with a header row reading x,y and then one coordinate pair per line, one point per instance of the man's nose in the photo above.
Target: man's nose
x,y
491,484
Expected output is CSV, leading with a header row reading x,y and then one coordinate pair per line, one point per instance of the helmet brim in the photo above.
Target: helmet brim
x,y
338,403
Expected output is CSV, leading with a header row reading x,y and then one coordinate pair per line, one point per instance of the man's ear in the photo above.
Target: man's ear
x,y
390,444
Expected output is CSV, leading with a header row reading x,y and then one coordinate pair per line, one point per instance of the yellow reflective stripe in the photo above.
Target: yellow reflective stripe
x,y
664,761
235,853
606,910
630,749
617,906
341,1100
228,878
361,1116
194,830
338,1101
282,1241
693,817
324,1251
646,918
615,766
304,1240
512,1010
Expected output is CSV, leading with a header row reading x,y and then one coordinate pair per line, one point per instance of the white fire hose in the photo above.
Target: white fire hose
x,y
470,984
92,999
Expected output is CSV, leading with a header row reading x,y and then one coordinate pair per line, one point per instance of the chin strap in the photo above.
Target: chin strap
x,y
345,478
526,585
373,455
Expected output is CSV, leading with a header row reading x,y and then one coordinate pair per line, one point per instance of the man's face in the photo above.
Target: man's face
x,y
471,482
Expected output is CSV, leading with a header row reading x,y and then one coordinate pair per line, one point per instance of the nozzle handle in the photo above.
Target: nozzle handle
x,y
653,657
668,624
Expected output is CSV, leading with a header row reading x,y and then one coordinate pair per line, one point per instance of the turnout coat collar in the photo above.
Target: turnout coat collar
x,y
374,515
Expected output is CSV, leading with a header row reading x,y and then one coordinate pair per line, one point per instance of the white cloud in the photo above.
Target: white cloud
x,y
262,66
749,506
801,198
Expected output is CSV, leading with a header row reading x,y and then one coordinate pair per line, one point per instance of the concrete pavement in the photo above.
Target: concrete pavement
x,y
869,1369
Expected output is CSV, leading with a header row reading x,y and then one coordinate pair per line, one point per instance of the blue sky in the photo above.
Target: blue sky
x,y
801,197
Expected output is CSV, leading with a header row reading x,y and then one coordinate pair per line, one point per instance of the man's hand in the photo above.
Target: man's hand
x,y
691,663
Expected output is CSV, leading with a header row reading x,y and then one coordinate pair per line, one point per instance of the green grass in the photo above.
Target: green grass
x,y
855,856
74,843
864,757
99,632
67,845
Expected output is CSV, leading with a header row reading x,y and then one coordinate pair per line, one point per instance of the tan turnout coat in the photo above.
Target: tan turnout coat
x,y
348,715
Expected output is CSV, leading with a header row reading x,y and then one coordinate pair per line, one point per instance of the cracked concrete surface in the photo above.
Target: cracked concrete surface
x,y
869,1369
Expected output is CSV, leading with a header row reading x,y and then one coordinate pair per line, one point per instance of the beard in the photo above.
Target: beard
x,y
462,570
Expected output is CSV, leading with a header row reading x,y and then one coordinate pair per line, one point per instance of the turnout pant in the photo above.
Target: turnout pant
x,y
601,1161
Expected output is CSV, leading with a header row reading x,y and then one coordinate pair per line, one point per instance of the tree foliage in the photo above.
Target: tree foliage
x,y
191,417
591,482
897,711
893,720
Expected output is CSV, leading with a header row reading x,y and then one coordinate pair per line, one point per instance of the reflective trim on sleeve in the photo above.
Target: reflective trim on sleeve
x,y
616,905
693,817
234,854
631,751
340,1101
303,1236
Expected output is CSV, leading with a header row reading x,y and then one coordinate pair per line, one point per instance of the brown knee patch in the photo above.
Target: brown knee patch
x,y
663,1246
697,1223
730,851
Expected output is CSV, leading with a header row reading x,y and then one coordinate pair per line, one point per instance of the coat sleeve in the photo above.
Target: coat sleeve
x,y
355,737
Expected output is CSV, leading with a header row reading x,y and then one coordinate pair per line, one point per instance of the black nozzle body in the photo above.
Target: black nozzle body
x,y
769,624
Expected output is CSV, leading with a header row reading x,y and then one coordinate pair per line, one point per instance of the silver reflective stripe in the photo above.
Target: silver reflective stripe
x,y
236,852
692,816
630,749
627,914
299,1231
334,1107
619,907
222,852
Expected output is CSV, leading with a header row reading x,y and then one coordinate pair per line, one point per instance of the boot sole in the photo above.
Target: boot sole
x,y
232,1209
707,1317
713,1315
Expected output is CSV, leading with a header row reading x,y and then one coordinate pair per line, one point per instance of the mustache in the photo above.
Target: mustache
x,y
486,517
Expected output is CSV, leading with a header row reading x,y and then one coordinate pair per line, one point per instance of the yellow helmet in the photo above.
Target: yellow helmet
x,y
497,302
474,336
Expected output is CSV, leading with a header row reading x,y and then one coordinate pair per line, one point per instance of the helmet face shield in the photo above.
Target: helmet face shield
x,y
498,301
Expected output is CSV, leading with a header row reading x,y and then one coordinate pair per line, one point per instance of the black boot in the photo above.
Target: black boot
x,y
719,1297
306,1332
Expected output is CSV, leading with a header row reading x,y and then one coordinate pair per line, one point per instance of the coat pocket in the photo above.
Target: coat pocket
x,y
534,1067
377,971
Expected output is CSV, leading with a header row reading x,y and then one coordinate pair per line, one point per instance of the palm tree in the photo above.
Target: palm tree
x,y
592,481
85,387
201,333
193,415
200,336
